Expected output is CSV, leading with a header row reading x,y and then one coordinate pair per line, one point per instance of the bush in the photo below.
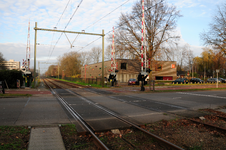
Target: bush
x,y
11,77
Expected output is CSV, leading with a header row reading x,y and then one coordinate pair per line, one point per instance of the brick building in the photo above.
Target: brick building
x,y
128,68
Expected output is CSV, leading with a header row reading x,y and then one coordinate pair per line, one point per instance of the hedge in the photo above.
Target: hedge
x,y
11,76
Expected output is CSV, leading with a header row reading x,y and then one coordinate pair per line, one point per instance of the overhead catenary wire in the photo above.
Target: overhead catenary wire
x,y
107,14
66,26
89,25
120,25
57,24
102,18
63,12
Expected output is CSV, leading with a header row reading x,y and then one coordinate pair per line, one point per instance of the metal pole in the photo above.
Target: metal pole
x,y
58,70
192,71
102,58
35,54
217,79
38,69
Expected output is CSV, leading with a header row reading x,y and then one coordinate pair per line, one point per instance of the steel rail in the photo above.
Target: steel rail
x,y
130,123
205,124
173,146
209,125
78,117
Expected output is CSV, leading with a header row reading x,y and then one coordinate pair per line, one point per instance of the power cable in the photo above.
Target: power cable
x,y
63,12
106,15
66,26
95,21
120,25
57,24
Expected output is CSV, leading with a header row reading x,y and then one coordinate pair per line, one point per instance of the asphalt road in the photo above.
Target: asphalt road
x,y
141,108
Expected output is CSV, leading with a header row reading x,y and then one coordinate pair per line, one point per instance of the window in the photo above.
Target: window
x,y
159,78
123,65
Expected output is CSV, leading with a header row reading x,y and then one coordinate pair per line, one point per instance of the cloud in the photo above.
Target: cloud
x,y
203,13
185,3
197,50
15,14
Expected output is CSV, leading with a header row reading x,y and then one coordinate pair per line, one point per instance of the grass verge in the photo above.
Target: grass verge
x,y
15,95
72,141
156,84
84,84
182,90
14,137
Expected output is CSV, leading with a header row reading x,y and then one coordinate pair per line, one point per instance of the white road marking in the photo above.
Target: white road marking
x,y
202,95
176,97
27,101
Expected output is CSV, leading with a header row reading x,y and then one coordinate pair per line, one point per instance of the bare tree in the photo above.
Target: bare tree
x,y
95,54
120,52
84,58
216,36
186,57
107,53
2,67
160,22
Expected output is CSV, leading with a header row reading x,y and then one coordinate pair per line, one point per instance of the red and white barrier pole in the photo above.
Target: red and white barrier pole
x,y
113,53
142,39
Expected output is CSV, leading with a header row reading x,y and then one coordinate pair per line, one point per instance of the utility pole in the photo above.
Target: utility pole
x,y
217,70
35,54
39,69
58,70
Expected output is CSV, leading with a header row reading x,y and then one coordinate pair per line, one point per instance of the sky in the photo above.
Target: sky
x,y
93,16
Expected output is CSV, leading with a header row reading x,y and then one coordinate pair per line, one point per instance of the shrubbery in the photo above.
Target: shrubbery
x,y
11,77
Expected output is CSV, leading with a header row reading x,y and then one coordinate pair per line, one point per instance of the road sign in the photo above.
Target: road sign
x,y
217,70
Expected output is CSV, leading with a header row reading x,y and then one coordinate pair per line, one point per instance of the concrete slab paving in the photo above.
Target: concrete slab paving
x,y
192,102
190,114
130,112
96,118
46,139
42,110
10,110
222,110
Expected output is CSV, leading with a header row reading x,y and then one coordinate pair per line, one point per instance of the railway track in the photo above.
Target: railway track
x,y
98,142
166,144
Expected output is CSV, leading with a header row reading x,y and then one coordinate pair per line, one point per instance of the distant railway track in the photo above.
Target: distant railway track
x,y
100,144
